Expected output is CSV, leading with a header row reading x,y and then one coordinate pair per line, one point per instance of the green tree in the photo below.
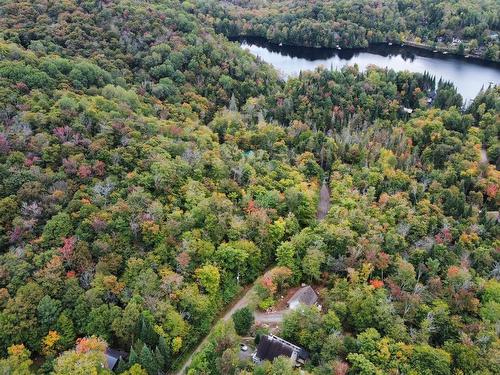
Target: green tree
x,y
48,310
135,370
427,360
147,333
148,361
100,321
361,365
209,278
65,327
125,326
243,320
56,229
18,361
311,264
87,358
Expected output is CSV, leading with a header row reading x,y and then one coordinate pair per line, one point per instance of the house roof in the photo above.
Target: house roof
x,y
113,356
268,349
305,295
271,347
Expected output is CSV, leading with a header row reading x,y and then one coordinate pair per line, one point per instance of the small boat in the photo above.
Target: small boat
x,y
435,51
281,44
445,52
338,47
467,56
390,43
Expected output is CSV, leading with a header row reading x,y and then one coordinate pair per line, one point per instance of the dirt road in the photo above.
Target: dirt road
x,y
242,302
269,318
484,156
324,202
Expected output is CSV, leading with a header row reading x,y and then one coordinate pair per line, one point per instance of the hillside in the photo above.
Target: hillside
x,y
466,27
151,169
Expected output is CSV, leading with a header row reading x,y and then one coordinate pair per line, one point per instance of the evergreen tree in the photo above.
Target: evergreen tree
x,y
160,360
243,320
233,107
122,365
132,357
164,350
138,344
147,333
66,330
148,361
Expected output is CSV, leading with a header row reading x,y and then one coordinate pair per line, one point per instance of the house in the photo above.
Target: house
x,y
305,296
431,96
271,347
113,357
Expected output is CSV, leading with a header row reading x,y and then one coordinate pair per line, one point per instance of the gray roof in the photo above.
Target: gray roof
x,y
271,346
305,295
113,356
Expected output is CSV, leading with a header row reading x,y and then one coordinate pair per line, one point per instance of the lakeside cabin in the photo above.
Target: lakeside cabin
x,y
304,296
271,347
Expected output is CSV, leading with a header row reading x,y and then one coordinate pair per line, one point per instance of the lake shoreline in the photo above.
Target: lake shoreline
x,y
469,76
406,44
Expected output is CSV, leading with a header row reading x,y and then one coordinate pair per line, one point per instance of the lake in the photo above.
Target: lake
x,y
468,75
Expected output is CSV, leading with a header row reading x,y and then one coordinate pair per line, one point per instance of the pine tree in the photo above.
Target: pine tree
x,y
132,357
164,349
147,333
122,365
138,344
148,361
233,107
66,329
160,360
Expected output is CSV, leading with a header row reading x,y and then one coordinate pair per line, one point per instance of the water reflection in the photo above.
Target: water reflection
x,y
468,75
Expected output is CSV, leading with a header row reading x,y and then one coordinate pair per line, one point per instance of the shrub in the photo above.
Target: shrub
x,y
243,320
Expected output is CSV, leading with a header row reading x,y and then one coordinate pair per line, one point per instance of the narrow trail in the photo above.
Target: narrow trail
x,y
324,201
484,156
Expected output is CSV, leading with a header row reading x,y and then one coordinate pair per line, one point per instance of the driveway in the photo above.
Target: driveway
x,y
242,302
269,318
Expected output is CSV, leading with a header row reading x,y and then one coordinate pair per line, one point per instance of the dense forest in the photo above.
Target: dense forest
x,y
469,27
151,170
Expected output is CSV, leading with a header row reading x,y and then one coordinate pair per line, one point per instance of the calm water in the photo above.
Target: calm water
x,y
468,75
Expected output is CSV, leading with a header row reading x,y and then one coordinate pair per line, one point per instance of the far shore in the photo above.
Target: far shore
x,y
409,43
